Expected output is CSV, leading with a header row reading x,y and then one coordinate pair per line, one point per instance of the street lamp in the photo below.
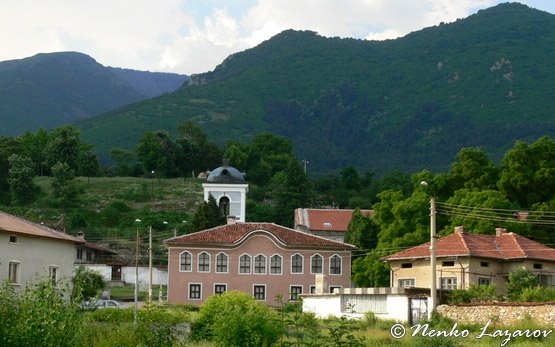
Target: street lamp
x,y
305,162
136,274
433,284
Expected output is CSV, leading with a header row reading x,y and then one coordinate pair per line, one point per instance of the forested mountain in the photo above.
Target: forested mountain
x,y
406,104
52,89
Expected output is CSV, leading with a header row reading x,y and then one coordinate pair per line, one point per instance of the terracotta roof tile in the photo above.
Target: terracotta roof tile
x,y
326,219
13,224
228,235
506,246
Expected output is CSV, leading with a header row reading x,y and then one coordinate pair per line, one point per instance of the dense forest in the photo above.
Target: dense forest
x,y
405,104
38,180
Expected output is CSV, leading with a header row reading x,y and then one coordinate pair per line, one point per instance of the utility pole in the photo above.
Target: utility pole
x,y
150,264
433,285
136,296
305,162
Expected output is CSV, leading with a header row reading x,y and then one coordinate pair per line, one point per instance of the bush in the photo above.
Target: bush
x,y
474,293
537,294
236,319
519,280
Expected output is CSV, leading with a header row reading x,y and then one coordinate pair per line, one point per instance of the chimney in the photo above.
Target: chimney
x,y
321,283
500,231
81,235
459,230
231,220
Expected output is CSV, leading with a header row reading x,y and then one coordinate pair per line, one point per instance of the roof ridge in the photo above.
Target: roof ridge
x,y
59,234
517,243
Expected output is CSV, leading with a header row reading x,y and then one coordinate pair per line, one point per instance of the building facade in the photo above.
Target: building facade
x,y
263,259
29,252
329,223
227,185
464,259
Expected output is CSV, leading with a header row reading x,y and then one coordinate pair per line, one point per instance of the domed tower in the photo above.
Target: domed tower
x,y
228,186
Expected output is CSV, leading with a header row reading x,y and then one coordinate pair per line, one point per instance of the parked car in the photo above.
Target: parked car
x,y
109,304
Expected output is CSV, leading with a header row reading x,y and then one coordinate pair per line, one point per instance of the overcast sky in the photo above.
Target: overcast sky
x,y
193,36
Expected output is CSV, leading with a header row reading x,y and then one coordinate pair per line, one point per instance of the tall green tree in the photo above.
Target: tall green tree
x,y
124,159
528,172
196,151
63,146
474,170
34,145
208,215
362,231
88,164
8,146
157,152
20,178
63,185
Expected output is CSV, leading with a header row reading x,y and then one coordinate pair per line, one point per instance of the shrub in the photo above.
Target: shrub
x,y
236,319
537,294
472,294
519,280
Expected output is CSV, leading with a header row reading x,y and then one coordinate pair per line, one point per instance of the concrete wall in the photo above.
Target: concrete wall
x,y
104,270
385,303
159,276
35,255
504,314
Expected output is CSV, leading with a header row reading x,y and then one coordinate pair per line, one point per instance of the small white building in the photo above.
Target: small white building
x,y
399,304
227,185
29,251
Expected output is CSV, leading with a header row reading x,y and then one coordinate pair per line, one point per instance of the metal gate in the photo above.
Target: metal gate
x,y
418,310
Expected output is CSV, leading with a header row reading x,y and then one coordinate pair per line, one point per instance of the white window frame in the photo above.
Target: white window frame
x,y
219,284
291,286
79,253
189,290
302,264
312,289
321,265
226,263
412,282
331,288
56,270
340,265
254,271
449,286
15,280
190,258
239,264
199,264
265,291
280,265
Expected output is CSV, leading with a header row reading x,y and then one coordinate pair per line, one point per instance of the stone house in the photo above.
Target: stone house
x,y
329,223
262,259
465,258
29,251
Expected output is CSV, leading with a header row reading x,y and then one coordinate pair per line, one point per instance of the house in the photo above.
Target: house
x,y
329,223
263,259
463,259
29,251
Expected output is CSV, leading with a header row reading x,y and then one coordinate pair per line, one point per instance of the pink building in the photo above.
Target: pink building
x,y
263,259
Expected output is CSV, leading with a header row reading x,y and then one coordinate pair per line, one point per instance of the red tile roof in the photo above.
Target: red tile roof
x,y
232,234
504,245
16,225
326,219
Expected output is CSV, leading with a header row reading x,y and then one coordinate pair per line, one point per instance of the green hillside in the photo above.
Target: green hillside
x,y
403,104
49,90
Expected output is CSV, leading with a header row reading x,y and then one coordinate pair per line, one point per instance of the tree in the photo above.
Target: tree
x,y
20,178
157,152
362,231
86,284
196,152
474,170
8,146
63,186
519,280
88,164
371,271
63,146
123,158
34,145
528,172
208,215
236,319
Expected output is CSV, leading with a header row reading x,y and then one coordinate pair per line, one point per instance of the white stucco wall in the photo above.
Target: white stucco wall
x,y
35,255
159,276
323,305
104,270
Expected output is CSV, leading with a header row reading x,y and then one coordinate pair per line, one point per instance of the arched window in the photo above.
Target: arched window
x,y
245,264
224,206
275,264
316,264
221,263
297,264
204,262
335,265
185,262
260,264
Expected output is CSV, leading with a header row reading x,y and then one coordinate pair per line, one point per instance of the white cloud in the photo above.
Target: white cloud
x,y
162,35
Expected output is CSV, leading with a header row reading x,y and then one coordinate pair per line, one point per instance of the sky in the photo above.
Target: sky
x,y
194,36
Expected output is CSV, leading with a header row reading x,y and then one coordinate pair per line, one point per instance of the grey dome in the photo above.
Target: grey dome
x,y
225,174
